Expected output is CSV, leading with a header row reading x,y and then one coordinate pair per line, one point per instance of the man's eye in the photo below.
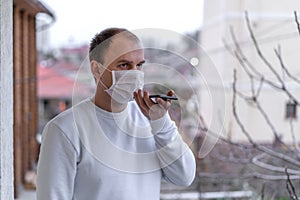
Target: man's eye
x,y
123,65
140,66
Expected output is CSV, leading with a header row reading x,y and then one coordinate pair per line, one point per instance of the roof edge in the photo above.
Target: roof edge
x,y
33,7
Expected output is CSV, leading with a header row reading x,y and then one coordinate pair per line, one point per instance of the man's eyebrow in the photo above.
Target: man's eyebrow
x,y
127,61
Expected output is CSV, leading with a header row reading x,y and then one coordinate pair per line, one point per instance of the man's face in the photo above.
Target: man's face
x,y
122,54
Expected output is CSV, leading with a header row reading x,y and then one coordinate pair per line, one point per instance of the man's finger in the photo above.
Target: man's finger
x,y
147,100
171,93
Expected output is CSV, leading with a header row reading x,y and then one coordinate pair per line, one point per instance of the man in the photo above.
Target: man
x,y
109,147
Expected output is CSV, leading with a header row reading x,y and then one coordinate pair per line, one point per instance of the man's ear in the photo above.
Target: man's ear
x,y
96,69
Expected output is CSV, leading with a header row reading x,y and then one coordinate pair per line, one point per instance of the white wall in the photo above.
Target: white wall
x,y
6,101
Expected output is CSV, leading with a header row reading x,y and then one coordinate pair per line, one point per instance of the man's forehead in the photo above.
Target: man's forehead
x,y
121,46
124,44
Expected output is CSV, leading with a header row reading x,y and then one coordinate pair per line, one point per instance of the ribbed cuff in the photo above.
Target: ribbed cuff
x,y
160,124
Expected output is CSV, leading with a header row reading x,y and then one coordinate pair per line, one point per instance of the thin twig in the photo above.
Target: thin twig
x,y
268,121
263,191
242,127
259,52
278,55
261,82
297,22
239,53
248,99
245,63
290,187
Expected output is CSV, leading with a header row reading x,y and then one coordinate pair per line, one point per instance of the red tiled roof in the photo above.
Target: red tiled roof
x,y
52,85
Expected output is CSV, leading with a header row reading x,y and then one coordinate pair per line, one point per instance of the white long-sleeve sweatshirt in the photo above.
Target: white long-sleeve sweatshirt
x,y
90,154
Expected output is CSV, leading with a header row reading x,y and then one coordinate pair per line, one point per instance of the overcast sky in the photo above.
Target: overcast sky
x,y
78,21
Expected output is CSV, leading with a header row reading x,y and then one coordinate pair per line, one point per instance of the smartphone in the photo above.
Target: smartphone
x,y
164,97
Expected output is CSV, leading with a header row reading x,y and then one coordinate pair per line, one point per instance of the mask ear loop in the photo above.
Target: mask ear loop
x,y
113,76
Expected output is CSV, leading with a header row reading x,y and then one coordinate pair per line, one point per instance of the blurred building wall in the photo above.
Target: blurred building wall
x,y
273,23
25,89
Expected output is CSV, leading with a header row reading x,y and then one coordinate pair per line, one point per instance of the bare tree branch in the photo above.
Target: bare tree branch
x,y
254,100
247,134
246,64
263,58
254,97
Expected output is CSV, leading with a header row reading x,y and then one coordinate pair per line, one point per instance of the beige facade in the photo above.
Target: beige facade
x,y
273,24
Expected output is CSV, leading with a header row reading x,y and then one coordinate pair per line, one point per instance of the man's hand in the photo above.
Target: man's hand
x,y
150,109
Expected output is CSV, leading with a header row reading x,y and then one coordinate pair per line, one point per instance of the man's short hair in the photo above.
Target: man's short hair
x,y
101,41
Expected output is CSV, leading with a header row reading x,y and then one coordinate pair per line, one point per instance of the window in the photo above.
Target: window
x,y
291,110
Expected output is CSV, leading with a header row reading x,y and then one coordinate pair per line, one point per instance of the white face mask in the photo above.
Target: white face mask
x,y
124,83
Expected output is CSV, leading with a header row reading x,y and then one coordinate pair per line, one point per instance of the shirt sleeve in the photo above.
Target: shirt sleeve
x,y
176,159
56,166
